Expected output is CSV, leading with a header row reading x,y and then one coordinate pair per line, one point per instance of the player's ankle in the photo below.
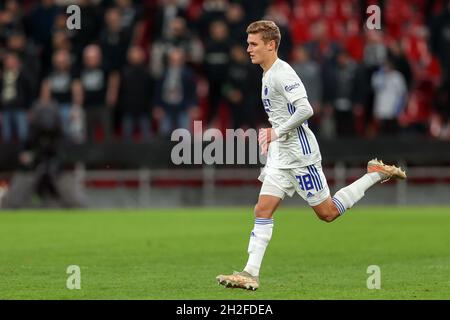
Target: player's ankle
x,y
254,272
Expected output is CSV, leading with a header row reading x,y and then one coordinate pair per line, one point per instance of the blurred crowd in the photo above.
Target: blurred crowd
x,y
139,69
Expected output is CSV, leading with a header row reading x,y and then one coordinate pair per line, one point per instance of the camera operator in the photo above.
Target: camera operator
x,y
40,168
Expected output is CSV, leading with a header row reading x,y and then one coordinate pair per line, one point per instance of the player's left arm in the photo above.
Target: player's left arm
x,y
294,91
303,111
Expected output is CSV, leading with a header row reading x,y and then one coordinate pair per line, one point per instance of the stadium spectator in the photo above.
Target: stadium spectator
x,y
309,72
354,40
323,51
176,98
64,39
60,41
212,10
28,55
278,16
11,19
237,24
178,36
114,40
440,120
320,48
415,119
136,95
216,64
440,39
98,92
92,19
238,89
401,64
362,110
344,94
128,12
132,14
36,29
39,26
16,91
59,87
375,51
390,98
254,9
166,12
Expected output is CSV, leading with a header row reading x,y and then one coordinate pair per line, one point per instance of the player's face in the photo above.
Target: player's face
x,y
257,49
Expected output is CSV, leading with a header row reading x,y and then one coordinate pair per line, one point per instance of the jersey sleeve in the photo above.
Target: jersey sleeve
x,y
289,85
303,111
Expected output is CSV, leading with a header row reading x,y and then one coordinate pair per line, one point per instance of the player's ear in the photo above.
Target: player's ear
x,y
271,45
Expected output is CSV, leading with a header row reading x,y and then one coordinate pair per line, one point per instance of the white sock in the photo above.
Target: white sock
x,y
346,197
259,239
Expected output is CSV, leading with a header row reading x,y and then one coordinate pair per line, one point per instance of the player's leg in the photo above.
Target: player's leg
x,y
327,210
345,198
262,231
312,186
259,240
270,197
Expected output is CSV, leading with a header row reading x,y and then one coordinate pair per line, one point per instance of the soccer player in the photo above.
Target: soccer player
x,y
293,155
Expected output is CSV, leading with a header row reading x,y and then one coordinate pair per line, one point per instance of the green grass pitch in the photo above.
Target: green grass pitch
x,y
176,254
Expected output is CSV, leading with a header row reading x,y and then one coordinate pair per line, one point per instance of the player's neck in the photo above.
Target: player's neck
x,y
267,64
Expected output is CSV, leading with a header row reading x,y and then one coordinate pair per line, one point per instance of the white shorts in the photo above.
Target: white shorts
x,y
309,182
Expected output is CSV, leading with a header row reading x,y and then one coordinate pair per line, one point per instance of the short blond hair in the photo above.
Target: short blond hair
x,y
268,30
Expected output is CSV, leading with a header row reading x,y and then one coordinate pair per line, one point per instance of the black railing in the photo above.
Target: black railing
x,y
157,153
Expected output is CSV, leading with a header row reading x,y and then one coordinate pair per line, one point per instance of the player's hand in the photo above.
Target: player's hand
x,y
265,137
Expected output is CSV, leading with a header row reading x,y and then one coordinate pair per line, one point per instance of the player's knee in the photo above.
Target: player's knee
x,y
327,211
327,217
263,211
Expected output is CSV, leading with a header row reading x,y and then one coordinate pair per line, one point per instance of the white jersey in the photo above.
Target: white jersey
x,y
281,86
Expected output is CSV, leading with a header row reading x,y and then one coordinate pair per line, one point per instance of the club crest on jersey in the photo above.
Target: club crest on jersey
x,y
266,90
291,87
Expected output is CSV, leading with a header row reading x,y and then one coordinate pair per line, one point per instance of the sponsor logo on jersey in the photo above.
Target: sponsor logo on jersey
x,y
291,87
309,195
